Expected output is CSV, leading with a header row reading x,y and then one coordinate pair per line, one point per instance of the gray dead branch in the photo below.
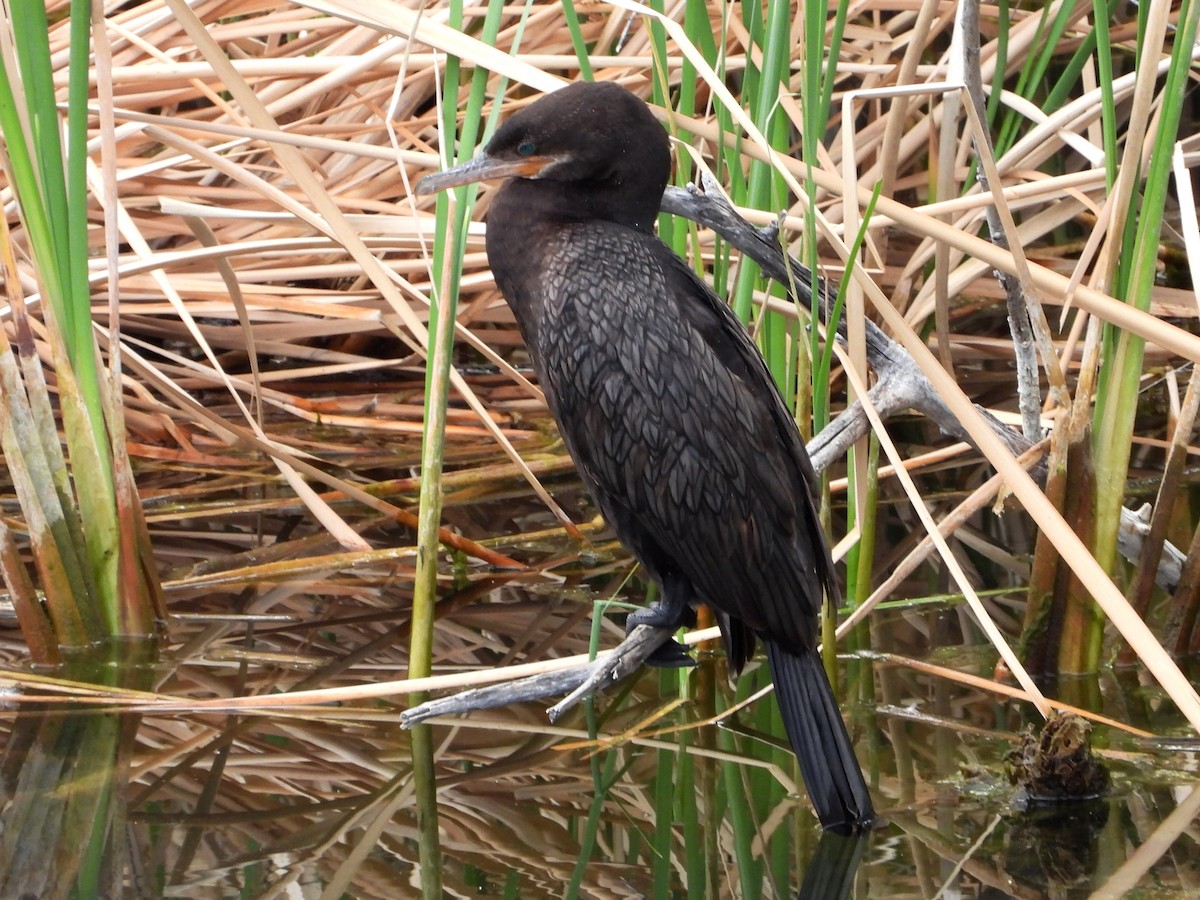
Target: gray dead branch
x,y
900,385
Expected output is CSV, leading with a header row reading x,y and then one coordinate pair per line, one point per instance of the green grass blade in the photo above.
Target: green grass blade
x,y
571,16
1116,404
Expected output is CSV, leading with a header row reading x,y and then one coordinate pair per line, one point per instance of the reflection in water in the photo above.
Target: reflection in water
x,y
62,825
224,805
64,781
1055,847
830,873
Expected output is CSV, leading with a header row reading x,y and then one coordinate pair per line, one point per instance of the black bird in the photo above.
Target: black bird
x,y
665,404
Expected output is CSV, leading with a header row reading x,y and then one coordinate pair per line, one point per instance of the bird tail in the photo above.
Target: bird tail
x,y
818,736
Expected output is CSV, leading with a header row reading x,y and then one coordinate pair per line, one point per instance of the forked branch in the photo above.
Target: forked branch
x,y
900,385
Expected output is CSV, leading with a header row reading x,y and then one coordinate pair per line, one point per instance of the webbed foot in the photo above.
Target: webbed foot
x,y
673,612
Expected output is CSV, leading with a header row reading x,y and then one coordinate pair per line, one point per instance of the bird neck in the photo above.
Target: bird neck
x,y
528,216
521,223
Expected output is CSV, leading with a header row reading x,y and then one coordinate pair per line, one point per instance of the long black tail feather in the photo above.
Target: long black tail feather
x,y
818,736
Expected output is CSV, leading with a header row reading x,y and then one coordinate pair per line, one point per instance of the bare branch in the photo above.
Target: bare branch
x,y
900,385
582,681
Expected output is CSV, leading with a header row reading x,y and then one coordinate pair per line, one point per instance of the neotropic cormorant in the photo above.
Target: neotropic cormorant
x,y
665,404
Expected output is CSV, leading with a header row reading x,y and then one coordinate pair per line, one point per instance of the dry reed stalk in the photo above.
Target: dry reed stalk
x,y
284,156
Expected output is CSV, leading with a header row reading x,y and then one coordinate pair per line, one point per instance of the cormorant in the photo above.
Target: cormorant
x,y
665,404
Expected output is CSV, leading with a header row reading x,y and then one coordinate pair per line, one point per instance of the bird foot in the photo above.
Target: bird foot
x,y
671,654
662,615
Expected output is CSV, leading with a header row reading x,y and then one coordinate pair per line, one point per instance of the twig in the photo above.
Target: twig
x,y
625,659
637,647
1028,384
900,382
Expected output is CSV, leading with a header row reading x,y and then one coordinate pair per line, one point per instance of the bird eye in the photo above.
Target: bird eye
x,y
525,148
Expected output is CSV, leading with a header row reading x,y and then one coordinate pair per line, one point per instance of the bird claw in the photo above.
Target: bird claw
x,y
670,655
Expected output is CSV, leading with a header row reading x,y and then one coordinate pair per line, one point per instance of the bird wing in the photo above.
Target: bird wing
x,y
678,429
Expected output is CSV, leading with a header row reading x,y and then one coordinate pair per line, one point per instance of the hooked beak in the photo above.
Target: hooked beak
x,y
483,168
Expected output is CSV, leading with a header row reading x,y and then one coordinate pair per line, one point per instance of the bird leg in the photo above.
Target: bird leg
x,y
673,611
581,680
